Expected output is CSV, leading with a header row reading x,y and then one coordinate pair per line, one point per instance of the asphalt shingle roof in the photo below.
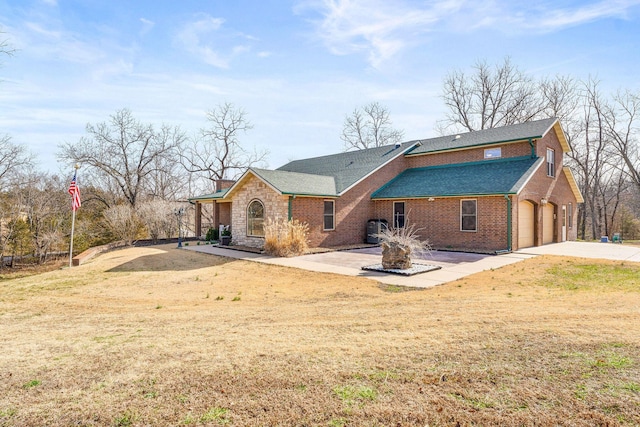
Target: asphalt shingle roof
x,y
346,168
500,176
298,183
535,129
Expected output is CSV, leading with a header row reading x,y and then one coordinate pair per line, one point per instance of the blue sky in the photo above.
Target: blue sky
x,y
296,67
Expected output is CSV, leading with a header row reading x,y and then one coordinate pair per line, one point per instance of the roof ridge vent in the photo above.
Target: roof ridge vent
x,y
398,145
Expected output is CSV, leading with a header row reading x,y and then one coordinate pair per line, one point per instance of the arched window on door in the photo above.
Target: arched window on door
x,y
255,219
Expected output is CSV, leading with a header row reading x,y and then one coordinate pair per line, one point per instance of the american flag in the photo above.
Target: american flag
x,y
74,190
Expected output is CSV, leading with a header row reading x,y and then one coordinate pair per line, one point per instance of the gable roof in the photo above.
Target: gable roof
x,y
486,177
297,183
519,132
348,168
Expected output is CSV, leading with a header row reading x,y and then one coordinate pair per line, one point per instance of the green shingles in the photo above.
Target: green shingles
x,y
349,167
502,176
298,183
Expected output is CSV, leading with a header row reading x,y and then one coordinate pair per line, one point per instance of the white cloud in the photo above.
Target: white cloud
x,y
566,17
379,28
206,39
147,26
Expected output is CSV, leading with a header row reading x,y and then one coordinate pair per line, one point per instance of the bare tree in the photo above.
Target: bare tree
x,y
13,159
216,153
123,222
158,217
124,152
622,121
489,97
369,126
46,206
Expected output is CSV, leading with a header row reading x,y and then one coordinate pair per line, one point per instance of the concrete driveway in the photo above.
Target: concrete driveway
x,y
612,251
454,265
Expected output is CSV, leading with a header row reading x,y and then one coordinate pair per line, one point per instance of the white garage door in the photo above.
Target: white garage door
x,y
547,224
525,225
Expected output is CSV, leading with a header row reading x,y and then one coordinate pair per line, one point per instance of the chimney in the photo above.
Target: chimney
x,y
223,184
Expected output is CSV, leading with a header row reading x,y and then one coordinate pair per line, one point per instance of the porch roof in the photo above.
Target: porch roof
x,y
207,197
487,177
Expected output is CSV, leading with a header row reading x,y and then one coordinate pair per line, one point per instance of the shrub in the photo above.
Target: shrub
x,y
285,238
212,234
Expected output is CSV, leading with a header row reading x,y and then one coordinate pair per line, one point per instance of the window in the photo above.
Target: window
x,y
492,153
570,215
329,215
398,214
468,215
255,219
551,162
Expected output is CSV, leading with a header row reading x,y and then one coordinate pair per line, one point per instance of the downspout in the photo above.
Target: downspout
x,y
509,224
290,216
533,148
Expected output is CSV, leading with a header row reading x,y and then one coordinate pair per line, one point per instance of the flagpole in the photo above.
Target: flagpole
x,y
73,221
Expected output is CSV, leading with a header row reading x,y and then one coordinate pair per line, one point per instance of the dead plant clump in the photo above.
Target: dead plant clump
x,y
168,337
284,238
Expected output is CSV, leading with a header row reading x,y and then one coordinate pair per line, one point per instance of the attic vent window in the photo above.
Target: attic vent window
x,y
493,153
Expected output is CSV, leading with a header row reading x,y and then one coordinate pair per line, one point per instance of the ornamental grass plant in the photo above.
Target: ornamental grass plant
x,y
285,238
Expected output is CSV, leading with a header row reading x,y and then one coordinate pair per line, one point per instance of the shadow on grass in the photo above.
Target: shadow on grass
x,y
171,260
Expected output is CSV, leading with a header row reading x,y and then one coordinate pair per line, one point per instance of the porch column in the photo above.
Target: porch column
x,y
216,214
198,221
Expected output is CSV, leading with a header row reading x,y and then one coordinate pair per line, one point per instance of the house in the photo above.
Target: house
x,y
492,190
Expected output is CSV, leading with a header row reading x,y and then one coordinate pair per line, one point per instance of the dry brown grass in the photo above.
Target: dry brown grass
x,y
157,336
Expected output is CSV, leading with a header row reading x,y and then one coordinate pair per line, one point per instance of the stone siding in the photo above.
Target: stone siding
x,y
275,207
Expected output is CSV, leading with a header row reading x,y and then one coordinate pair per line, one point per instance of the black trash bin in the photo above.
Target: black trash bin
x,y
375,226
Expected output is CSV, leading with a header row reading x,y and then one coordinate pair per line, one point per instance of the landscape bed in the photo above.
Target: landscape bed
x,y
158,336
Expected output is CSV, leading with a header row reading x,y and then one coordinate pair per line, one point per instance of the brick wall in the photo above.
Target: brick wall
x,y
439,221
516,149
275,207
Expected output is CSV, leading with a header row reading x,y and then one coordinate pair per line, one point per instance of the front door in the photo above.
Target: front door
x,y
564,223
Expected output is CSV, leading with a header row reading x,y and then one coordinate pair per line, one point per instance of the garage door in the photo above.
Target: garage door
x,y
547,224
525,225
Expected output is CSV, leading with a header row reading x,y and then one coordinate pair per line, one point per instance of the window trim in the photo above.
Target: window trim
x,y
332,215
475,215
248,217
404,214
551,165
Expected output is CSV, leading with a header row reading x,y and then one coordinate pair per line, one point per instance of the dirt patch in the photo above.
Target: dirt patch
x,y
158,336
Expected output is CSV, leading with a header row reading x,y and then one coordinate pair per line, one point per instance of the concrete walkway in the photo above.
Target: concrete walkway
x,y
454,265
